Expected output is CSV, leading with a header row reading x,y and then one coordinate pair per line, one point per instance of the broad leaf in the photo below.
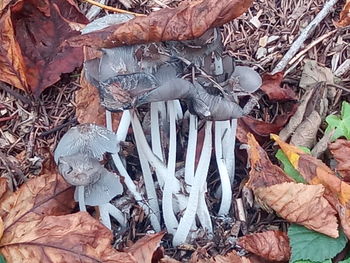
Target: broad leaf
x,y
310,245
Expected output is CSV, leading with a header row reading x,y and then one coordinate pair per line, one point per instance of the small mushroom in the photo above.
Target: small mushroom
x,y
88,139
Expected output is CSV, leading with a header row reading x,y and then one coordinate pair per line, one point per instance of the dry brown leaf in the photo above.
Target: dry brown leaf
x,y
341,152
1,227
315,172
272,87
145,247
58,239
344,19
298,203
262,173
31,35
301,204
3,186
88,107
272,245
167,24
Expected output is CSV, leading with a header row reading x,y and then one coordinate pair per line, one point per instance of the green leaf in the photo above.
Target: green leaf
x,y
341,125
288,167
345,261
307,244
308,261
2,259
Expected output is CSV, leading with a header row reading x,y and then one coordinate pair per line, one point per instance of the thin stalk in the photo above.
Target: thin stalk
x,y
155,136
116,213
104,215
223,171
150,188
191,150
195,194
81,197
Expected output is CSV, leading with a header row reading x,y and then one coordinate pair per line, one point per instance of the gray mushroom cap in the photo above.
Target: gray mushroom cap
x,y
79,169
249,79
88,139
103,190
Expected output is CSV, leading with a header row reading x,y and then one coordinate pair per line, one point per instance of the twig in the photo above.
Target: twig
x,y
304,35
112,9
59,127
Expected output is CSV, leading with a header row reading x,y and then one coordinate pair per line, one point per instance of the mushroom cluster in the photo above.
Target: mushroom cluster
x,y
183,81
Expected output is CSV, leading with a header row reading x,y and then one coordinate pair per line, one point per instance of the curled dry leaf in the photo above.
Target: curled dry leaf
x,y
298,203
145,247
314,171
167,24
262,129
272,87
341,152
272,245
344,19
66,238
34,63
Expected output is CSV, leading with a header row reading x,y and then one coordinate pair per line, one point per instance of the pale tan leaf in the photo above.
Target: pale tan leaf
x,y
301,204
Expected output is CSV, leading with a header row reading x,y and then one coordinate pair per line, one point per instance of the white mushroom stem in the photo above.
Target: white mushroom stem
x,y
122,131
81,197
155,135
109,209
191,150
196,189
226,196
150,188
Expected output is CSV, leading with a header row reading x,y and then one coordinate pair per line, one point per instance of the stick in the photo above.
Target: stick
x,y
112,9
304,35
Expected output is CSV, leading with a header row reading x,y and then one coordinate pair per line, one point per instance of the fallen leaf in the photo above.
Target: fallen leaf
x,y
313,74
315,172
230,257
298,203
1,227
167,24
344,19
262,129
272,245
145,247
302,204
31,35
88,107
271,85
341,152
67,238
3,186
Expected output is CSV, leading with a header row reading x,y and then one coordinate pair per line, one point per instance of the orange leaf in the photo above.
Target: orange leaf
x,y
167,24
344,19
262,173
298,203
315,172
31,35
145,247
68,238
272,245
272,87
341,152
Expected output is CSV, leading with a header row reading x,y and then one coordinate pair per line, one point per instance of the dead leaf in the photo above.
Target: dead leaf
x,y
145,247
67,238
314,74
344,19
302,204
272,245
315,172
167,24
3,186
272,87
298,203
31,35
262,129
1,227
341,152
230,257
